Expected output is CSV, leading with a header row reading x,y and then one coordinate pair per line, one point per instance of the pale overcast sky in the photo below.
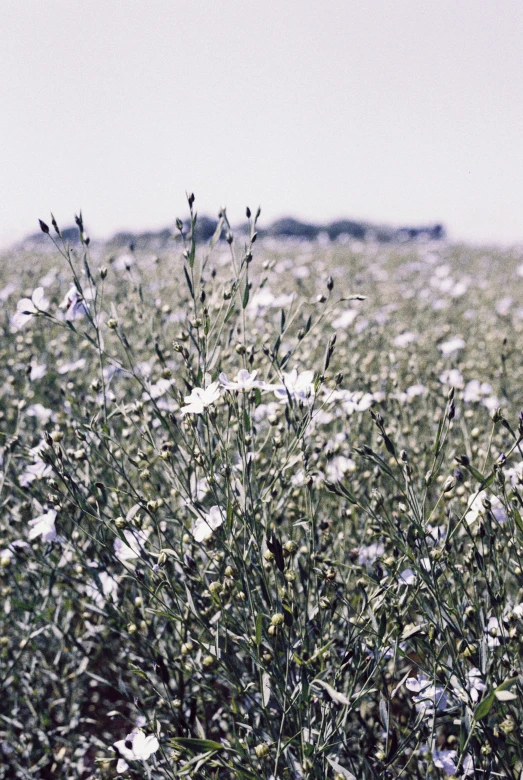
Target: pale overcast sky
x,y
398,111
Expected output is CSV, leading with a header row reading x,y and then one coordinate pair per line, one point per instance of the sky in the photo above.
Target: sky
x,y
393,111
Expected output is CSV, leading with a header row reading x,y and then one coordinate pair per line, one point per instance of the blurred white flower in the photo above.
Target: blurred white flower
x,y
135,747
476,390
27,308
300,387
345,319
205,526
135,543
42,413
430,697
109,589
65,368
243,381
201,398
6,291
408,577
157,389
38,469
476,508
338,467
368,555
37,371
404,339
44,526
452,377
264,299
74,304
452,345
446,760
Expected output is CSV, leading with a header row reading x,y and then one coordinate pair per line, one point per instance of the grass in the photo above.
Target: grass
x,y
310,571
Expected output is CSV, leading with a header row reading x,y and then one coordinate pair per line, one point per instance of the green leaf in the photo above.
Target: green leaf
x,y
188,280
484,707
191,743
259,628
246,293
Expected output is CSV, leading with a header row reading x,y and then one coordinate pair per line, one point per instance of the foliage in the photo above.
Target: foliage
x,y
278,510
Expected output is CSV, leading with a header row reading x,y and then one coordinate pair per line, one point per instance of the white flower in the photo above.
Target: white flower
x,y
44,526
74,304
37,470
475,390
65,368
452,345
338,467
446,760
27,308
477,508
109,589
345,319
42,413
201,398
135,747
158,389
297,386
407,577
205,526
430,696
367,555
243,381
37,371
135,544
404,339
452,377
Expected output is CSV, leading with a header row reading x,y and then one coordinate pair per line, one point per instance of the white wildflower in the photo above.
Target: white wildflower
x,y
451,346
27,308
205,526
201,398
74,304
300,387
404,339
243,381
135,747
135,543
44,526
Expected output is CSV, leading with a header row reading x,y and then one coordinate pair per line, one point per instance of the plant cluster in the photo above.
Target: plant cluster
x,y
261,510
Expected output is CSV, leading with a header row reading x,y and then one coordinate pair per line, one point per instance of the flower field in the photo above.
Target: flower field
x,y
262,509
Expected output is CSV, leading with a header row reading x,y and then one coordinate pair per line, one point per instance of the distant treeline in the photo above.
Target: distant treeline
x,y
287,228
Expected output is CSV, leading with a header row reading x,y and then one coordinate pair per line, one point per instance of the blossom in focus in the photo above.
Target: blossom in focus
x,y
243,381
205,526
201,398
135,544
74,304
27,308
135,747
44,526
